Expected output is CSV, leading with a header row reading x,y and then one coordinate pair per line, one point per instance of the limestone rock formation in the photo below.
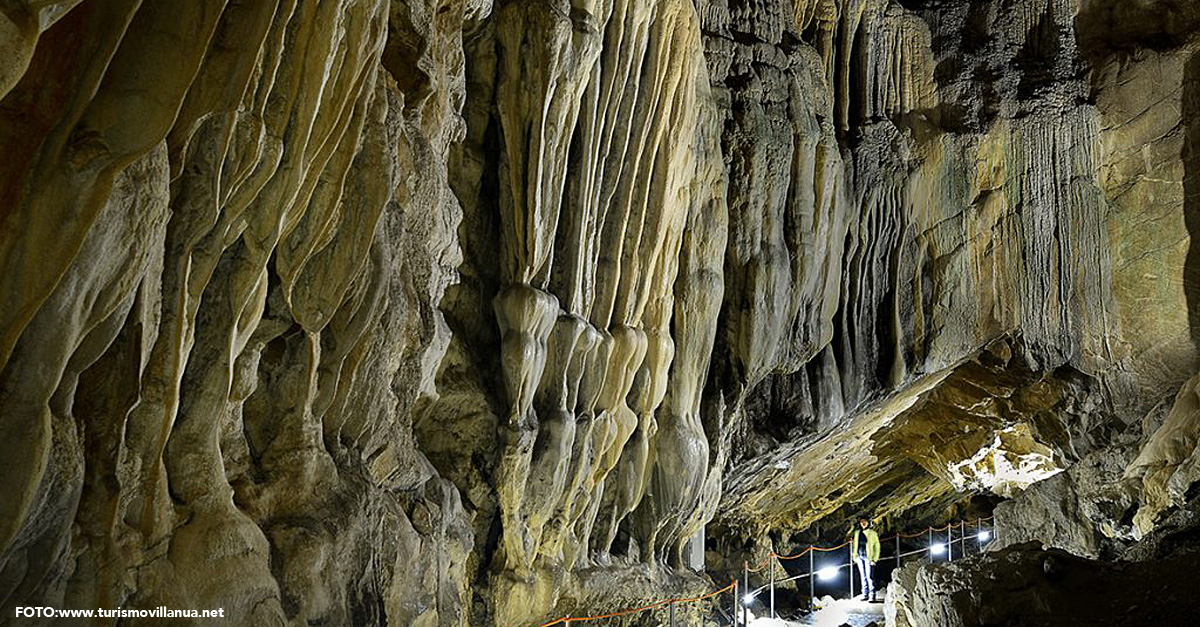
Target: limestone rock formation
x,y
226,230
451,312
1023,585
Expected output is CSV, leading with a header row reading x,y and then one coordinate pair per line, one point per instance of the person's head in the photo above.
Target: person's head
x,y
864,522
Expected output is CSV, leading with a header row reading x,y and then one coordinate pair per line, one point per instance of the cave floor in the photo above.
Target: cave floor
x,y
832,613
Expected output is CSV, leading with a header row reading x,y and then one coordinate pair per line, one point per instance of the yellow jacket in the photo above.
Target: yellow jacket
x,y
872,544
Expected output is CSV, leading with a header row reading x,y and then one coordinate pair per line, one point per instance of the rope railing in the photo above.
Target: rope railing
x,y
924,532
812,573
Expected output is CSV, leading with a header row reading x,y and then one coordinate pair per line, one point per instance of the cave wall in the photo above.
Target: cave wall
x,y
1024,305
442,312
226,230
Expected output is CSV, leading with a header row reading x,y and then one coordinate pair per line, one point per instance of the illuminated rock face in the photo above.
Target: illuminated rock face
x,y
431,313
226,229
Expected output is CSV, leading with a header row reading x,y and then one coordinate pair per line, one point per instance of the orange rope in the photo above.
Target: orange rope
x,y
643,608
821,548
936,529
706,596
767,560
759,566
797,555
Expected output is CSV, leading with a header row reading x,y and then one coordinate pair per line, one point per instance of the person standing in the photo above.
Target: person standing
x,y
864,552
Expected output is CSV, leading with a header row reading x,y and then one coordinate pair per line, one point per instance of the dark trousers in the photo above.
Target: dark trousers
x,y
864,572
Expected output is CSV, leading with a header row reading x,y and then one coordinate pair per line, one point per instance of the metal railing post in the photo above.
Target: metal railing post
x,y
672,614
811,575
745,606
850,554
737,599
897,550
949,542
929,548
771,565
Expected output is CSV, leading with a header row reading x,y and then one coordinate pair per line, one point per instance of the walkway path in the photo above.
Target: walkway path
x,y
832,613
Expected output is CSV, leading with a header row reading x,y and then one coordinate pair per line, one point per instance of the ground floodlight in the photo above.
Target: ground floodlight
x,y
748,599
827,573
984,535
937,549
